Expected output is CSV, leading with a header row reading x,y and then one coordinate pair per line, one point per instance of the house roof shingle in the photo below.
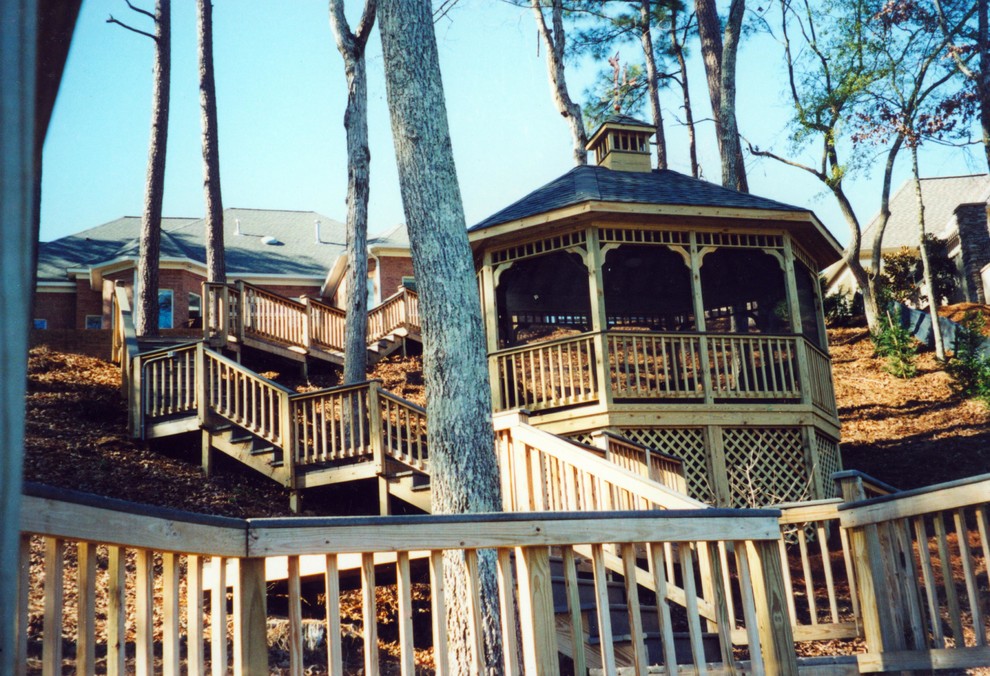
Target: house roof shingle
x,y
296,252
941,197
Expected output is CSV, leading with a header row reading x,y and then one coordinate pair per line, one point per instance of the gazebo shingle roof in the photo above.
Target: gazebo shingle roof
x,y
593,183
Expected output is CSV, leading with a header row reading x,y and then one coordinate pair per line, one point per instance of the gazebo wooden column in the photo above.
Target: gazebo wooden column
x,y
599,316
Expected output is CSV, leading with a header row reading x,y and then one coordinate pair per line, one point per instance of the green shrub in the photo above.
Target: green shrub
x,y
895,343
902,272
969,370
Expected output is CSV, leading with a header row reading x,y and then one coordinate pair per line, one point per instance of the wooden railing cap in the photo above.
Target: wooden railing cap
x,y
46,492
915,492
867,480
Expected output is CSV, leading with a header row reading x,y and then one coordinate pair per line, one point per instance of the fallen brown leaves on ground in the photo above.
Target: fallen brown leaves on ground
x,y
909,433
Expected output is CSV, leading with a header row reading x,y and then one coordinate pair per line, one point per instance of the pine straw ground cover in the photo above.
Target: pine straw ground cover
x,y
907,433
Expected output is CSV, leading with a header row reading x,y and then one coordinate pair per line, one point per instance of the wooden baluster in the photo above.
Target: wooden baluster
x,y
636,635
438,605
776,637
116,610
370,613
475,628
972,587
809,588
606,643
295,618
86,608
170,613
948,583
195,658
54,601
144,625
335,664
508,617
407,659
218,618
749,604
23,601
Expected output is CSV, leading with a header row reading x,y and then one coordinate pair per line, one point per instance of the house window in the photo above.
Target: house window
x,y
409,282
165,308
41,324
94,322
195,306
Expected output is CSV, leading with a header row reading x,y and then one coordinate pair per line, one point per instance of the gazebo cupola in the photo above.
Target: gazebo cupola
x,y
622,143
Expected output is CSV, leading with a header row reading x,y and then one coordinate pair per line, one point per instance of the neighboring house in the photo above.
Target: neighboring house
x,y
292,253
670,311
955,210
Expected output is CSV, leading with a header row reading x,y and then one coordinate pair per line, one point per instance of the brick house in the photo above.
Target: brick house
x,y
292,253
955,210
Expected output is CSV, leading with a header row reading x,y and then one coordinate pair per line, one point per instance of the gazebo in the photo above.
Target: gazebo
x,y
674,312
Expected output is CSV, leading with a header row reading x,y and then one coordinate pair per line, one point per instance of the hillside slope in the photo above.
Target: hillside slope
x,y
906,432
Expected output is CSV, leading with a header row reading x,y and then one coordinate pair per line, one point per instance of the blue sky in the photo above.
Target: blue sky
x,y
281,96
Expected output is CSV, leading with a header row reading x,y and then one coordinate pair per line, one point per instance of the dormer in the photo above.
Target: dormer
x,y
622,143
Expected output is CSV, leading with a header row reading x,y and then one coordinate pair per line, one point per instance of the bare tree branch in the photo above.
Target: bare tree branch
x,y
148,14
110,19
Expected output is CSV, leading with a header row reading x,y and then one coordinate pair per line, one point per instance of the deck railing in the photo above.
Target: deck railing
x,y
171,551
822,386
245,310
918,557
542,472
551,374
664,366
822,601
654,465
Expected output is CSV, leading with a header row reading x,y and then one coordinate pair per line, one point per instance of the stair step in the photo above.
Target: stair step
x,y
241,438
217,428
263,450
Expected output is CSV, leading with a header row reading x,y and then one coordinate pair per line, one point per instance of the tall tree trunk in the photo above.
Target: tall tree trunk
x,y
927,287
712,52
19,172
653,83
876,255
151,220
463,468
678,48
216,269
983,82
352,47
555,42
733,169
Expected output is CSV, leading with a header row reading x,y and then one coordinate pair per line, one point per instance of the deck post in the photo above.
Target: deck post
x,y
244,313
773,619
375,433
876,581
307,324
135,401
250,619
287,440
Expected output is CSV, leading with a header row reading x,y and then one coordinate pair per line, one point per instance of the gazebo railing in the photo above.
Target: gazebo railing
x,y
665,366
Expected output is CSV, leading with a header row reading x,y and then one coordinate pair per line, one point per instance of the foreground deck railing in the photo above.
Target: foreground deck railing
x,y
641,365
242,310
99,541
919,556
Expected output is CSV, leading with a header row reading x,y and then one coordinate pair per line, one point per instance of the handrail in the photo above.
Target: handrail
x,y
617,484
655,465
185,546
